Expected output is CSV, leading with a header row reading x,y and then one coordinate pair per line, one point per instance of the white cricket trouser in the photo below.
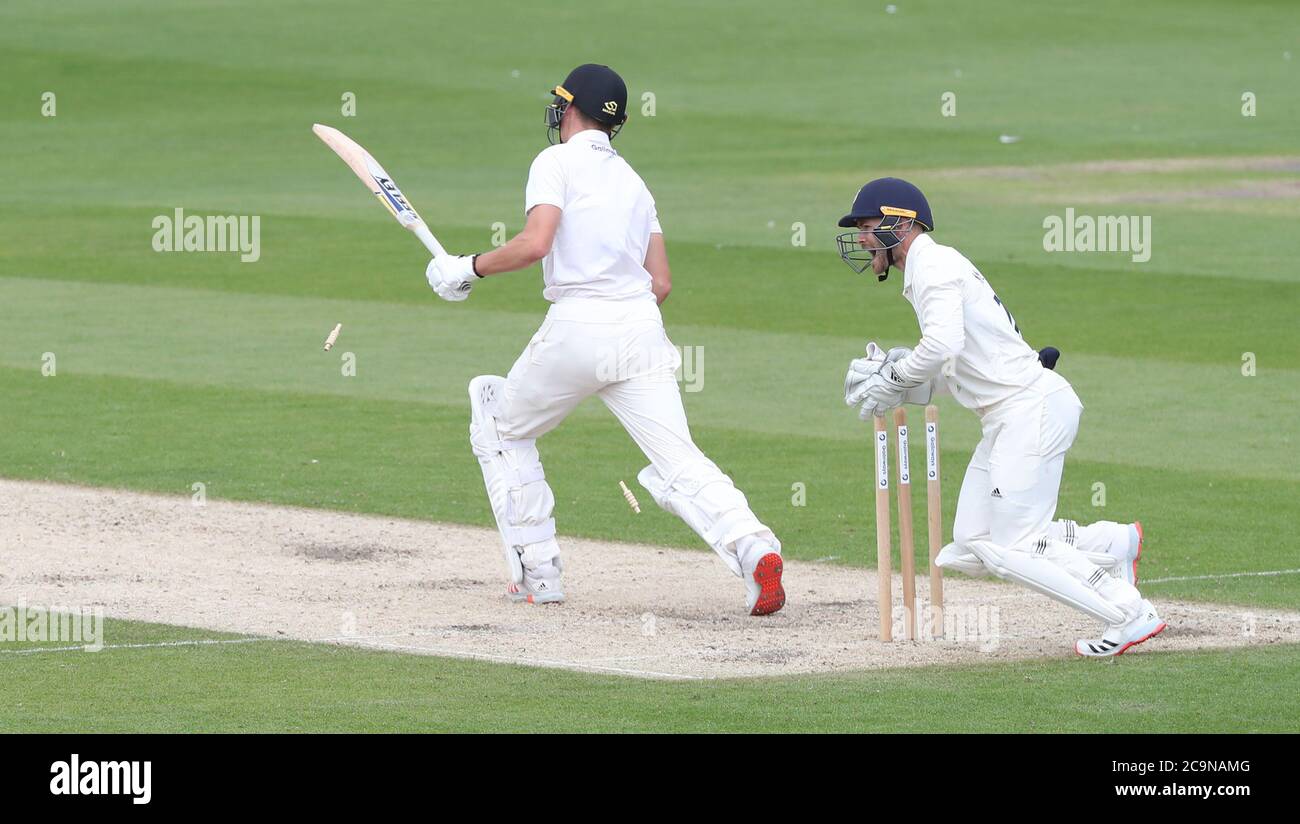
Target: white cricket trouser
x,y
1008,501
1009,493
619,351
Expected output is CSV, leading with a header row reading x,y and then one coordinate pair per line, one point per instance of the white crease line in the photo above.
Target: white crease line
x,y
634,657
1180,606
1217,577
343,639
544,662
192,643
1238,612
1144,581
370,641
372,645
353,640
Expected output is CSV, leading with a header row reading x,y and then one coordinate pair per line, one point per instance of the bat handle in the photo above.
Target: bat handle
x,y
426,237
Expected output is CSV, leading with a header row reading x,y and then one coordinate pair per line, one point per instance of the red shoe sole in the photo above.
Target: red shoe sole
x,y
768,577
1141,540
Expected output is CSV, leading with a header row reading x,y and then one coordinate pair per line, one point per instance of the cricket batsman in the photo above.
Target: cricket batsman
x,y
592,223
971,347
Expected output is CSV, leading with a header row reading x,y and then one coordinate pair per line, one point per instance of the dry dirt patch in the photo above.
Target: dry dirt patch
x,y
436,589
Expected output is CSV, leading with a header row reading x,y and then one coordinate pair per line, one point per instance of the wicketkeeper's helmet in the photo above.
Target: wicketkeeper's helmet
x,y
898,204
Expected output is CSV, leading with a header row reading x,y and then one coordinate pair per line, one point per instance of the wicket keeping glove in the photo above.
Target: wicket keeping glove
x,y
863,368
878,397
451,276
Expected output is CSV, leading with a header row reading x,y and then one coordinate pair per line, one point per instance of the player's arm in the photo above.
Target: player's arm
x,y
943,328
525,248
544,197
913,376
656,263
452,277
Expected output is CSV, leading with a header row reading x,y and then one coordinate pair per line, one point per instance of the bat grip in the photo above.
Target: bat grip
x,y
426,237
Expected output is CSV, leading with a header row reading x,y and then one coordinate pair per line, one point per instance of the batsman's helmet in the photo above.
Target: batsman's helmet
x,y
597,91
898,204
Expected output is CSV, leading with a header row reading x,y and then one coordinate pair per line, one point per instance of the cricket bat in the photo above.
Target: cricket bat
x,y
380,183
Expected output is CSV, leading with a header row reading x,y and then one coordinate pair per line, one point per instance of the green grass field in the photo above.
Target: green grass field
x,y
181,368
269,686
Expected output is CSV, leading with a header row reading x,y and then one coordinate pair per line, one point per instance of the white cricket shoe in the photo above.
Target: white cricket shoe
x,y
1118,638
541,586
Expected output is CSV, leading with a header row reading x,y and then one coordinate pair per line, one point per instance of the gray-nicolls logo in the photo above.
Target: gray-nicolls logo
x,y
77,777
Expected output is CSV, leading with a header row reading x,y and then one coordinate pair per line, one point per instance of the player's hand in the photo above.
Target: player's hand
x,y
859,370
872,409
879,396
863,368
891,376
451,276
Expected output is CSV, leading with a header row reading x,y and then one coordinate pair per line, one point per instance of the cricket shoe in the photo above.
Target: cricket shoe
x,y
538,587
1117,639
765,594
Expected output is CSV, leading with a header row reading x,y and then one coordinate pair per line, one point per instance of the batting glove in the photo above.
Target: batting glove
x,y
451,277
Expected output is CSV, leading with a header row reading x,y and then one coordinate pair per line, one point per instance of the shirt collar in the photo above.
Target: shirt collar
x,y
921,242
591,136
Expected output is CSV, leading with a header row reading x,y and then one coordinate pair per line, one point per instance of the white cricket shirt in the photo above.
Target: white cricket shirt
x,y
608,217
963,320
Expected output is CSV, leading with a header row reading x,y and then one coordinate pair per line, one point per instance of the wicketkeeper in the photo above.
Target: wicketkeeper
x,y
971,347
592,223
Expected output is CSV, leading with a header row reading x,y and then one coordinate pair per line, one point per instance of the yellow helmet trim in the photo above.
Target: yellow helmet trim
x,y
560,91
897,212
